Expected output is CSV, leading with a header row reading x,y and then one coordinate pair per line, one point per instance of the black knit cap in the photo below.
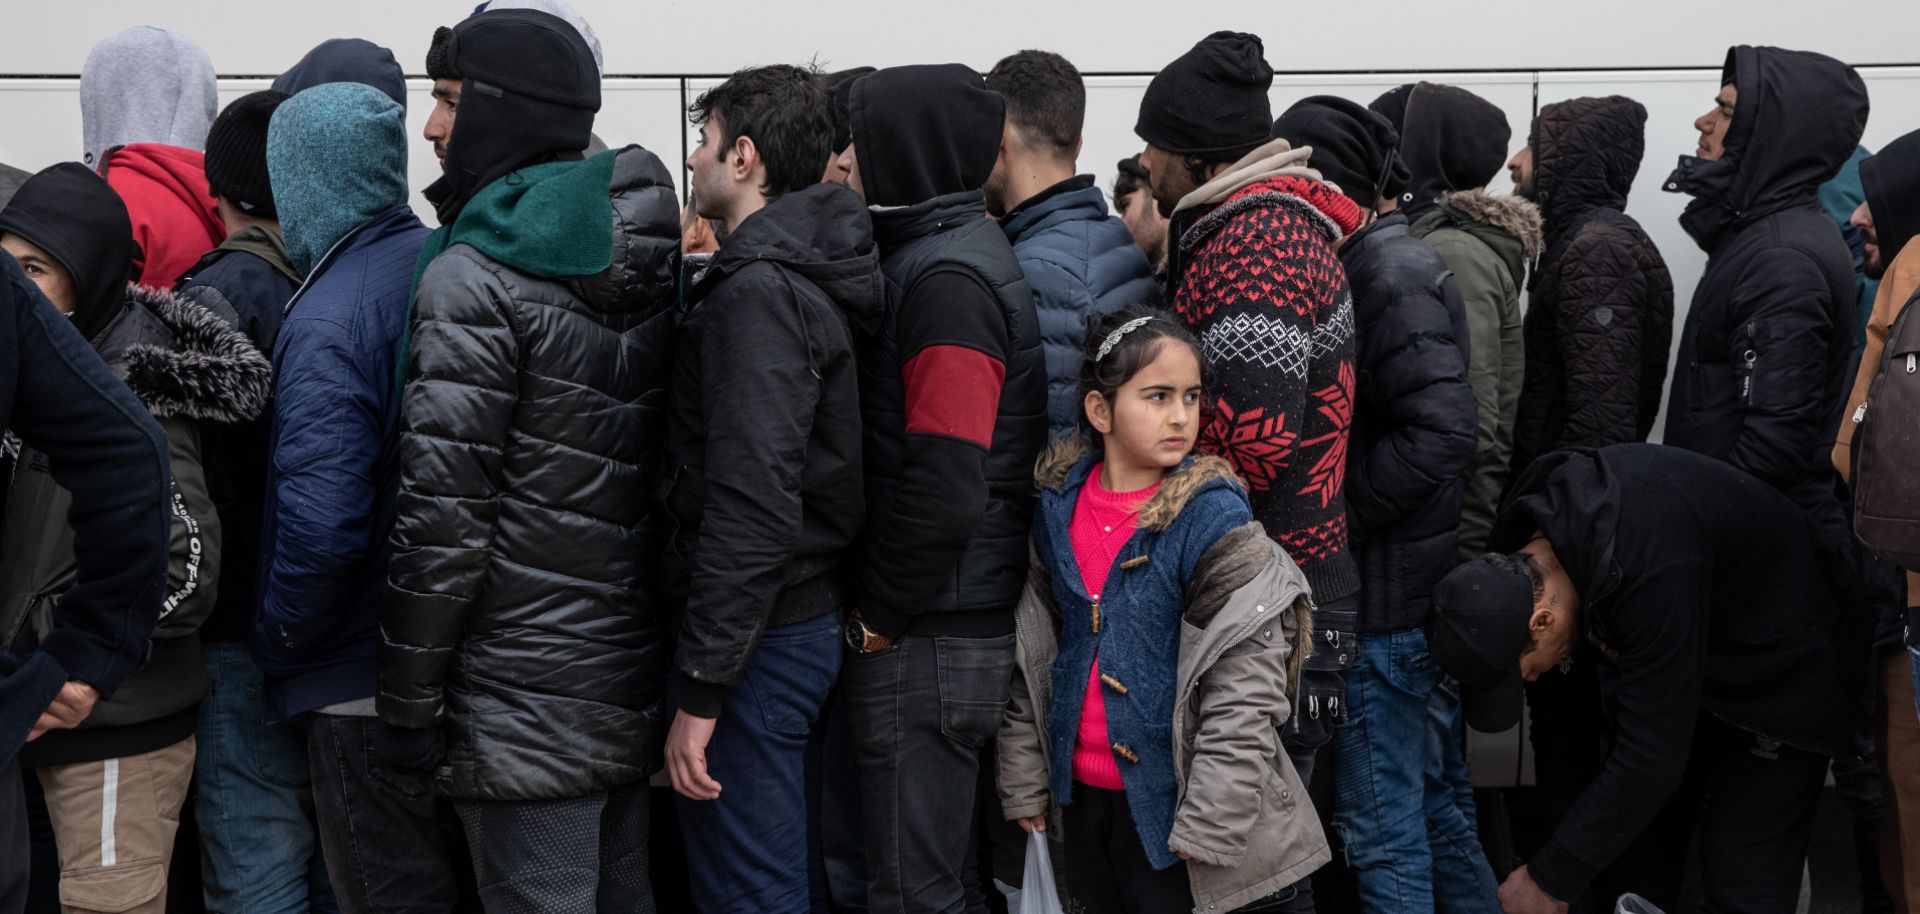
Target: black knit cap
x,y
1211,102
237,153
1353,146
529,91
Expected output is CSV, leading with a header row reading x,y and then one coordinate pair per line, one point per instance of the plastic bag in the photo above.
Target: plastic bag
x,y
1037,892
1634,904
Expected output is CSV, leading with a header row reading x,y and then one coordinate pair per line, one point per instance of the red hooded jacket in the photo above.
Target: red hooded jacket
x,y
174,220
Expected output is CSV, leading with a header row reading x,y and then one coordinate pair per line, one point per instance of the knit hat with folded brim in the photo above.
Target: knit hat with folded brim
x,y
1212,101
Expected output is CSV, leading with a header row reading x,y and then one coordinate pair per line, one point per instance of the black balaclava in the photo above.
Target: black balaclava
x,y
924,132
1353,146
529,90
842,83
69,212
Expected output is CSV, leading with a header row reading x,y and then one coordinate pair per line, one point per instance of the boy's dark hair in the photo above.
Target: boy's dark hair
x,y
1046,98
788,113
1520,563
1131,351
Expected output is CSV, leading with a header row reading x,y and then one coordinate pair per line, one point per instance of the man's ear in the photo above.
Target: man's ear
x,y
745,156
1540,621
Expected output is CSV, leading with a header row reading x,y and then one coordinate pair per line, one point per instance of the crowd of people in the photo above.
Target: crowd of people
x,y
896,504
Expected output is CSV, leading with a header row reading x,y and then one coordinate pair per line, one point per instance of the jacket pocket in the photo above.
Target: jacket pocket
x,y
1747,346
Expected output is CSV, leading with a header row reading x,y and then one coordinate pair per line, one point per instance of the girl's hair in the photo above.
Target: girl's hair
x,y
1122,343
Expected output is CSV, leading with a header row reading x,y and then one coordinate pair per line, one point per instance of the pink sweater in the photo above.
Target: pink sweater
x,y
1102,523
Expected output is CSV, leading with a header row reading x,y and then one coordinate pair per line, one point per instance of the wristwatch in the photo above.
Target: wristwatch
x,y
864,640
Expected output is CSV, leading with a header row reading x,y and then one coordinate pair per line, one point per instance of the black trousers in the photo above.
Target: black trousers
x,y
1108,865
391,847
1752,800
14,850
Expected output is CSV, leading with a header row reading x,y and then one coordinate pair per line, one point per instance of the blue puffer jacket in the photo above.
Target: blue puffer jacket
x,y
1082,264
334,468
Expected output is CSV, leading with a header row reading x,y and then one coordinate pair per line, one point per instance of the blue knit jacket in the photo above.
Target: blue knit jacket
x,y
1082,264
1138,637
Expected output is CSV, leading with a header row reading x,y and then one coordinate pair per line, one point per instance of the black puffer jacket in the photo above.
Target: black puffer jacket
x,y
763,437
1765,348
521,611
1600,312
1415,422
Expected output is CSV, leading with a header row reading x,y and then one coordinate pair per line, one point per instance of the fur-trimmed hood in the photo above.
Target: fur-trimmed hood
x,y
1197,473
181,359
1509,213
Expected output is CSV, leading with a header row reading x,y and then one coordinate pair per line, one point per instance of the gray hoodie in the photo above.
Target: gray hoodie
x,y
145,85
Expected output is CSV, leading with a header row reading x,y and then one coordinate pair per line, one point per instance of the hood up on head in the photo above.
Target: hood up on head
x,y
1891,182
1797,118
76,218
346,60
1586,153
1450,140
337,154
923,132
145,85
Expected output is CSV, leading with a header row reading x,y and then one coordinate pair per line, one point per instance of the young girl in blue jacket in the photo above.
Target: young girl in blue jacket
x,y
1159,640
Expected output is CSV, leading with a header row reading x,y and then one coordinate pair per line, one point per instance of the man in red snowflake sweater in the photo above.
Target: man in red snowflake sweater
x,y
1253,269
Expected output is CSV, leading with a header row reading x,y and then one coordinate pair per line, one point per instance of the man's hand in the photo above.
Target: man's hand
x,y
687,756
1033,824
1520,895
70,708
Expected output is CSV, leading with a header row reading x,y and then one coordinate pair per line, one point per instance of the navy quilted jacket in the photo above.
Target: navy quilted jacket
x,y
1082,264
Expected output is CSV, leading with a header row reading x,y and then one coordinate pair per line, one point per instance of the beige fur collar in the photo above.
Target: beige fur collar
x,y
1510,213
1166,504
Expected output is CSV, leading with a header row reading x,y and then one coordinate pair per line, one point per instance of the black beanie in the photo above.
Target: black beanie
x,y
1212,101
237,153
842,83
528,95
924,131
1450,140
69,212
1353,146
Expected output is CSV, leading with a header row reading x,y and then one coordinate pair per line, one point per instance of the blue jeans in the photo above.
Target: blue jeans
x,y
748,850
1463,881
260,848
1411,846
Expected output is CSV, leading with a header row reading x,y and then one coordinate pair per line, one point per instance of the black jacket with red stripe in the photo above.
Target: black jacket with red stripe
x,y
953,390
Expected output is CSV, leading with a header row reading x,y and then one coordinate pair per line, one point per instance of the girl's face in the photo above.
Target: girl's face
x,y
1153,418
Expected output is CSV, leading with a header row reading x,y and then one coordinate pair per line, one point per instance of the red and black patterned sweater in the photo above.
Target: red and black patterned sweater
x,y
1261,285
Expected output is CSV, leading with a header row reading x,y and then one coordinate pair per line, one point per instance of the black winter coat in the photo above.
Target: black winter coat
x,y
522,610
103,446
247,280
763,435
1600,310
1704,592
1763,356
1415,422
